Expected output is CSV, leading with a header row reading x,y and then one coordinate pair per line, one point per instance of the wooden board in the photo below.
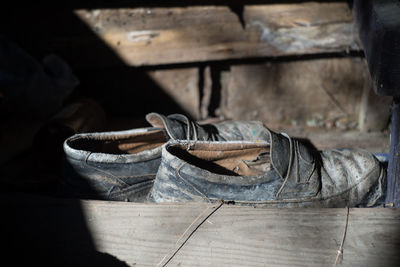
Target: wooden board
x,y
75,233
375,110
322,93
152,36
181,85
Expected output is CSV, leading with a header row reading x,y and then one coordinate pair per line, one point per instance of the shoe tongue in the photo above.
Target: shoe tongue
x,y
281,150
176,125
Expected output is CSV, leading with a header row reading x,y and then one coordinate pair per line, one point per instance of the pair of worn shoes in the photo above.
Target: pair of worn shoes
x,y
244,162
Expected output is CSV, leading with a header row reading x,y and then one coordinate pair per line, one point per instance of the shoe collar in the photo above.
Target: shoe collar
x,y
80,154
290,158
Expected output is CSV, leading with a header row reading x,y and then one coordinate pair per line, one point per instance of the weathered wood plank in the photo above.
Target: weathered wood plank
x,y
129,234
374,110
330,93
182,86
317,93
150,36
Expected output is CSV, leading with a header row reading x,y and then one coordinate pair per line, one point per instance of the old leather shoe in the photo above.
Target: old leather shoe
x,y
122,165
281,172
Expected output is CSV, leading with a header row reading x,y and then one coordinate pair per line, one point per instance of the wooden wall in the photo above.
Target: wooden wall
x,y
296,63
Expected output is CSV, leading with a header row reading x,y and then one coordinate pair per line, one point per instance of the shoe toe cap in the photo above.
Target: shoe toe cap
x,y
349,174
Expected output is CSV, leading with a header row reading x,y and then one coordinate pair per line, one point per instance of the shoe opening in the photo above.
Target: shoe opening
x,y
120,144
234,160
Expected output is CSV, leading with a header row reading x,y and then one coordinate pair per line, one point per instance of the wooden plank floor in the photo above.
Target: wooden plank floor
x,y
84,233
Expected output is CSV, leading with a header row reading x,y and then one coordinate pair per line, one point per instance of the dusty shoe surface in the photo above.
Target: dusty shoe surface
x,y
122,165
117,166
281,172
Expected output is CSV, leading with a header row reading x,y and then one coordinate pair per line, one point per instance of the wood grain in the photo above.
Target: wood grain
x,y
142,234
316,93
375,110
151,36
181,85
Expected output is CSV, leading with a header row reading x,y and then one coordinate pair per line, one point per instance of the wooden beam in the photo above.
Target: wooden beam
x,y
128,234
152,36
379,27
374,112
378,23
393,180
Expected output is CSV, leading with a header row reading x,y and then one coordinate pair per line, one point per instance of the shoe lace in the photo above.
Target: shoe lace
x,y
293,148
293,160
